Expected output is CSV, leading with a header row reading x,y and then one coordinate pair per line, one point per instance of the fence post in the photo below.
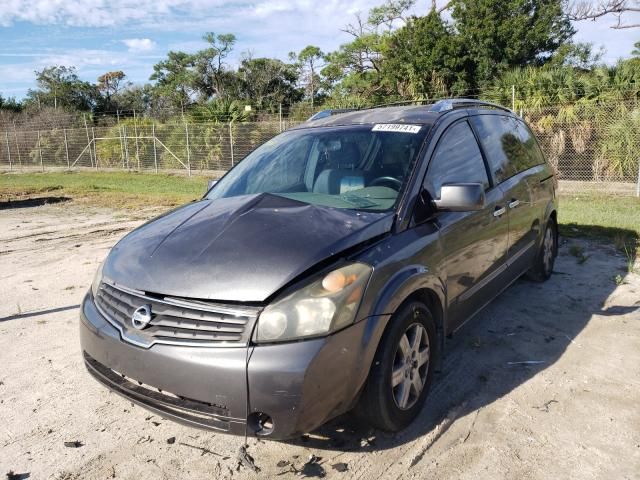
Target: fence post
x,y
126,147
95,150
231,142
66,148
186,131
155,153
135,132
6,136
121,146
280,115
513,98
40,151
86,129
15,134
638,184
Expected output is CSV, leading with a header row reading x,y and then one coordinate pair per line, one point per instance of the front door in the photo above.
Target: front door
x,y
474,244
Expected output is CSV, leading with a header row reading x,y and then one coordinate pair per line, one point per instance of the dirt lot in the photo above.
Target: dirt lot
x,y
575,414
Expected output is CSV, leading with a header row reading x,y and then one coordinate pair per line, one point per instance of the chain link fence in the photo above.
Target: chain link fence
x,y
592,147
141,144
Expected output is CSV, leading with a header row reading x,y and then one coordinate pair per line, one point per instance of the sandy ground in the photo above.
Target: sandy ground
x,y
574,415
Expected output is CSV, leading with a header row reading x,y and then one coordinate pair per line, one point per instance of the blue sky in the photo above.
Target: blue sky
x,y
131,35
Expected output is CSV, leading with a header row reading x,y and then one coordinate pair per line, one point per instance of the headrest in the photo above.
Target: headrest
x,y
335,181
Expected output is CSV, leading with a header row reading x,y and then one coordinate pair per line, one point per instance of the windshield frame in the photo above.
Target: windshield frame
x,y
423,135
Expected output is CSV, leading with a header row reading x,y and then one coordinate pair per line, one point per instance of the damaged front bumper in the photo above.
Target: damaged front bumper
x,y
296,386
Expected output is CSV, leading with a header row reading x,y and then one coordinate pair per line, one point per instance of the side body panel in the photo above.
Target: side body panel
x,y
522,197
475,245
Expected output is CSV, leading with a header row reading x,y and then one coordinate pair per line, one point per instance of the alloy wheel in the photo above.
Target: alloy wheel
x,y
410,366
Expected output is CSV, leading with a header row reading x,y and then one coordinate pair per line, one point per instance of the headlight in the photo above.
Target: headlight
x,y
325,305
97,278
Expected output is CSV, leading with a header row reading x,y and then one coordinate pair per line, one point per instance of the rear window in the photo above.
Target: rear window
x,y
509,145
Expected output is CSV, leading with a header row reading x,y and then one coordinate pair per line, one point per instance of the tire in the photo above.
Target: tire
x,y
543,263
392,407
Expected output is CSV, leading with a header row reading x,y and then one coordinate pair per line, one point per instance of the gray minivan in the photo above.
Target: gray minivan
x,y
325,271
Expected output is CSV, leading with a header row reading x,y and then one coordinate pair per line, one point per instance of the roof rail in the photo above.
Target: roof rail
x,y
328,113
401,103
439,106
453,103
443,105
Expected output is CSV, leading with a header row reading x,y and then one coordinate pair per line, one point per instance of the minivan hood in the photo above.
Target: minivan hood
x,y
242,248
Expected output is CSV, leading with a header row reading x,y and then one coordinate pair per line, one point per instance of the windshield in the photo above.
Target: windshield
x,y
357,167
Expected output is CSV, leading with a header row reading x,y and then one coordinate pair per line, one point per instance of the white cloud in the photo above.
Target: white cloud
x,y
139,44
98,13
164,14
89,63
618,43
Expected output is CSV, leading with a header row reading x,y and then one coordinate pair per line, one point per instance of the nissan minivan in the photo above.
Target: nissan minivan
x,y
325,271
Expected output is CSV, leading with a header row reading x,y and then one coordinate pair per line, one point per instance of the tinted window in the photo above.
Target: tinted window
x,y
534,155
457,159
508,144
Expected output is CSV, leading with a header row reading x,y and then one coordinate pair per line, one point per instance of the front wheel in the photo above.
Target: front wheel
x,y
543,264
402,370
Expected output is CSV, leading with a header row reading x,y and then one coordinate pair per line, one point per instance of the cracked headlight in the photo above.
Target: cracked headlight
x,y
323,306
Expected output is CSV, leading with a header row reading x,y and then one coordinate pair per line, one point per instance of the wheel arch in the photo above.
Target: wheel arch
x,y
429,296
434,304
415,282
552,214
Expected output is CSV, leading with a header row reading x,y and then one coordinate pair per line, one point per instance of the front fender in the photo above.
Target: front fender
x,y
379,309
551,206
404,283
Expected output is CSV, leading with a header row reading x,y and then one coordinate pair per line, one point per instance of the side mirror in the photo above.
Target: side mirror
x,y
210,184
461,197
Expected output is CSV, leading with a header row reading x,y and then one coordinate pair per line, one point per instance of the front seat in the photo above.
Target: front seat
x,y
340,175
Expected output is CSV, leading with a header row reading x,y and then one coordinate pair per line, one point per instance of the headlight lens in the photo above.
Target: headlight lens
x,y
97,278
327,304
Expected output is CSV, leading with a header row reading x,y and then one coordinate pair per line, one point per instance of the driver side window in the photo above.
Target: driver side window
x,y
457,159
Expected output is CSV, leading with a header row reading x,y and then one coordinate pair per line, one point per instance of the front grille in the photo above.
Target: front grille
x,y
175,321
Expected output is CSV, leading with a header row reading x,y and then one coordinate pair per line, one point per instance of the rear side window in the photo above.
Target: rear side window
x,y
508,144
533,153
457,159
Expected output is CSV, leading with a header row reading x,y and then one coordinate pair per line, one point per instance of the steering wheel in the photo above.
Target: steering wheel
x,y
395,183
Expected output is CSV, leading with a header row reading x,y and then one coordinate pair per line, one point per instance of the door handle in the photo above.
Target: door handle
x,y
514,203
499,211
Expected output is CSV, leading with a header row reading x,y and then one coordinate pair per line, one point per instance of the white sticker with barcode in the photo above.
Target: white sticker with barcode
x,y
396,127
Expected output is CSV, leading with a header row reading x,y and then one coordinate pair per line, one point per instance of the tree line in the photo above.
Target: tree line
x,y
477,48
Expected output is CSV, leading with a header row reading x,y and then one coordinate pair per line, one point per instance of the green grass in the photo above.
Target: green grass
x,y
108,189
600,216
612,218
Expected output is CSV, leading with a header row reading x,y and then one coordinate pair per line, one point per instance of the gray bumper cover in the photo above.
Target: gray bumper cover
x,y
299,385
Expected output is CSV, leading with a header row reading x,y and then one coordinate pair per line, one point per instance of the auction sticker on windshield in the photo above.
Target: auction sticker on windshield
x,y
396,127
